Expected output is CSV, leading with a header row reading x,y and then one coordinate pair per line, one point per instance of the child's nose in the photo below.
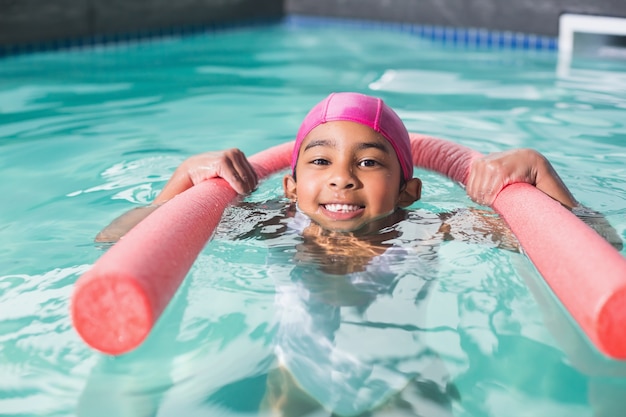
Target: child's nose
x,y
343,178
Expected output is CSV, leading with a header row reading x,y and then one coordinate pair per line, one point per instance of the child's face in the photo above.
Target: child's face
x,y
348,175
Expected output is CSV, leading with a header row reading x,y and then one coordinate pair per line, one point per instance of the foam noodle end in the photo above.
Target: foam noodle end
x,y
111,313
611,325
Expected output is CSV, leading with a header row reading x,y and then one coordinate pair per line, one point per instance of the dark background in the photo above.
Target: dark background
x,y
24,22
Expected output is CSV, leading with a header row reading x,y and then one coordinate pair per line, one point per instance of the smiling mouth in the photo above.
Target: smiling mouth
x,y
342,208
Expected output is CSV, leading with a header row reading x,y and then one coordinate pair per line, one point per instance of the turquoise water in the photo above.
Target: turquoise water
x,y
87,134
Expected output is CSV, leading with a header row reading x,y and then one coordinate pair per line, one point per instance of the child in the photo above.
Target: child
x,y
351,176
360,148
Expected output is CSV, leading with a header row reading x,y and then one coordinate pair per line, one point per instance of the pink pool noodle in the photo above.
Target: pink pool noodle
x,y
585,272
117,302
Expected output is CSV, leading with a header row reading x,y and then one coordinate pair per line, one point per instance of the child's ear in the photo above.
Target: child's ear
x,y
411,192
289,187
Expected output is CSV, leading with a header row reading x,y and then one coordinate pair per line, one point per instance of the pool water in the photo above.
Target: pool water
x,y
89,133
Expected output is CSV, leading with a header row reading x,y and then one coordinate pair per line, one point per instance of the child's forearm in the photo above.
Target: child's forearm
x,y
600,224
178,182
122,224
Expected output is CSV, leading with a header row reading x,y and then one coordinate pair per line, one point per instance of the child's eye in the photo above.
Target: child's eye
x,y
368,163
320,161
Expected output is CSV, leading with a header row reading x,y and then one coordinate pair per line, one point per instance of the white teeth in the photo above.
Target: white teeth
x,y
341,207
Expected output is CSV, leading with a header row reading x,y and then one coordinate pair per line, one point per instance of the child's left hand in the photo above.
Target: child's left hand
x,y
491,173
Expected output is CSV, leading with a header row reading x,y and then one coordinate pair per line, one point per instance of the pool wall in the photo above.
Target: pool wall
x,y
28,22
538,17
61,22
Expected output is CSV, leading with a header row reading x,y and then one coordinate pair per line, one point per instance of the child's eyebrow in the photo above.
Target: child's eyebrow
x,y
375,145
320,142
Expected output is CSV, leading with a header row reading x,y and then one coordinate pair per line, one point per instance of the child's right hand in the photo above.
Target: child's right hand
x,y
491,173
231,165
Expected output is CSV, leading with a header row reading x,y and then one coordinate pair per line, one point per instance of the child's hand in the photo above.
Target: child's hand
x,y
491,173
231,165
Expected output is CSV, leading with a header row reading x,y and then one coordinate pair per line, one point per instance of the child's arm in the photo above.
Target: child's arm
x,y
490,174
231,165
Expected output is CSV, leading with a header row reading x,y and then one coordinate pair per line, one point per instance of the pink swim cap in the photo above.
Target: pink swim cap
x,y
366,110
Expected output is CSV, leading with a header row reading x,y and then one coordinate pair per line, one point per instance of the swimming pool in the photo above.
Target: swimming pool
x,y
87,134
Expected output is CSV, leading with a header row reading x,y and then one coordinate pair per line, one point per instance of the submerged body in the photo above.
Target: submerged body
x,y
343,340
